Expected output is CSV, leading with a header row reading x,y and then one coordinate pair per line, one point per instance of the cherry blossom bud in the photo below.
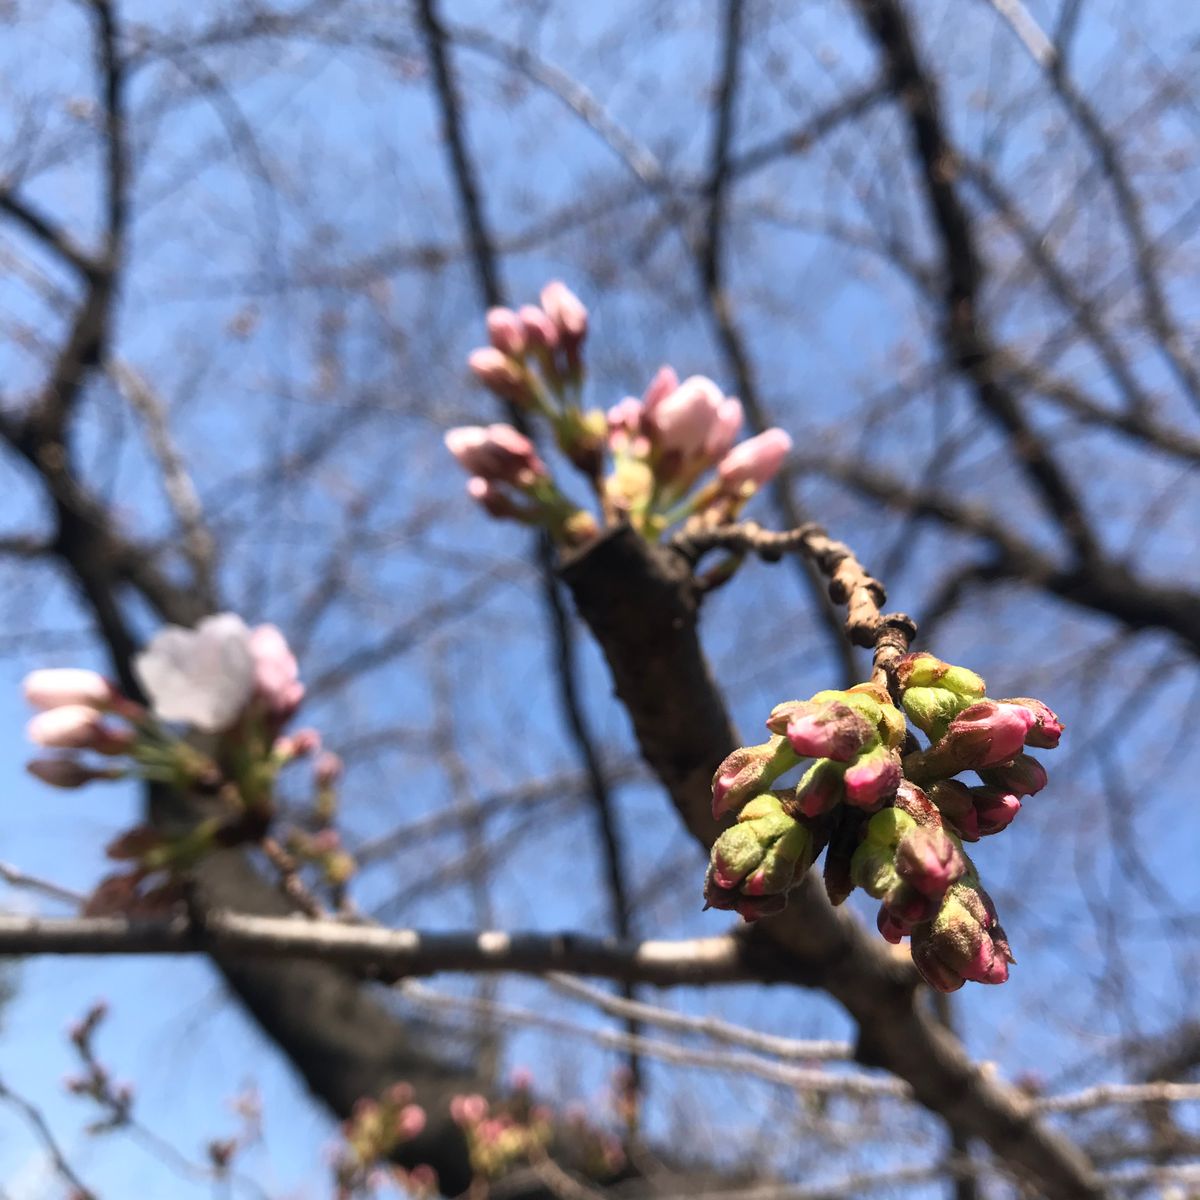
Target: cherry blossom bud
x,y
327,770
821,788
930,861
496,453
964,941
931,709
926,670
499,374
276,673
748,771
994,809
832,730
468,1110
761,855
661,386
684,419
566,311
1024,776
540,332
410,1121
506,331
754,462
1046,728
872,778
54,688
985,734
957,806
625,418
725,428
69,772
78,727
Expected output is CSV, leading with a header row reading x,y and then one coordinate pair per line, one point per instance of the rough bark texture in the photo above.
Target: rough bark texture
x,y
641,604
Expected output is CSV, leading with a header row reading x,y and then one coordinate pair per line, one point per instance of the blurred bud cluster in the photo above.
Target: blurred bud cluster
x,y
892,814
666,458
374,1131
211,729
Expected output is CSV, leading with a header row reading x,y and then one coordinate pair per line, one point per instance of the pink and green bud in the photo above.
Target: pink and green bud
x,y
872,778
78,727
957,807
929,860
540,332
821,788
1023,776
684,419
55,688
69,772
832,730
566,312
748,771
926,670
759,856
499,374
994,809
963,942
496,453
931,709
1045,728
755,462
661,386
986,734
725,427
506,332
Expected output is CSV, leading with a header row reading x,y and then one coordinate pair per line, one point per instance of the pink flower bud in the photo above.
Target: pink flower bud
x,y
684,419
821,788
661,386
1046,728
276,673
410,1120
748,771
328,769
506,331
990,731
57,687
872,778
499,373
724,431
566,311
994,809
77,727
929,860
626,417
756,461
957,807
830,730
964,941
468,1110
497,454
1024,776
68,772
540,332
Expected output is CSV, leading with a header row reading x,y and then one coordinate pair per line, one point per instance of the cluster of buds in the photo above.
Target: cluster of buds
x,y
373,1132
659,448
892,813
518,1130
217,699
502,1136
